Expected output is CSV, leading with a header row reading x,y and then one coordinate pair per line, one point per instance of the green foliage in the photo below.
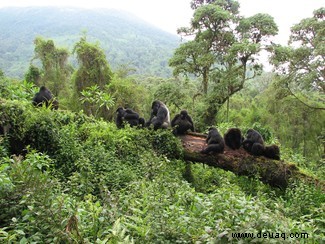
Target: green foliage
x,y
16,90
128,94
93,71
41,132
304,199
222,50
91,182
165,143
96,98
94,68
304,53
55,69
33,75
82,180
172,92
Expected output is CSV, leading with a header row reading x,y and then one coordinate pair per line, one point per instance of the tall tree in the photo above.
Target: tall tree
x,y
93,69
301,63
55,68
223,49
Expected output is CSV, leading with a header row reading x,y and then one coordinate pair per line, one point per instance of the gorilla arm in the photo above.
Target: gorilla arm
x,y
191,121
162,118
175,120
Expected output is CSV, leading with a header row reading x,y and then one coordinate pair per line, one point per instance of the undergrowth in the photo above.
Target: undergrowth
x,y
81,180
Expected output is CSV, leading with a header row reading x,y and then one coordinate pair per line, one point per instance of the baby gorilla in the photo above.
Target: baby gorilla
x,y
159,116
215,142
272,151
181,123
254,143
44,96
233,138
129,116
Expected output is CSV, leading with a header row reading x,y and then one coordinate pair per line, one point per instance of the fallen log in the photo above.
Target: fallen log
x,y
276,173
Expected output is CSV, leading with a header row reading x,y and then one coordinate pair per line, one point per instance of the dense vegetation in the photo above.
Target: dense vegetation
x,y
70,176
83,180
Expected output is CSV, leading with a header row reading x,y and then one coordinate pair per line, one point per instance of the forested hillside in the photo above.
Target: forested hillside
x,y
125,38
91,153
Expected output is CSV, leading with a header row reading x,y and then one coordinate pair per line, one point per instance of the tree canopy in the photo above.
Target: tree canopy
x,y
55,67
93,74
301,63
222,49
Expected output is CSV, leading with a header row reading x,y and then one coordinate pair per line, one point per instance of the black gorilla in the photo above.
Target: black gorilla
x,y
181,123
233,138
215,142
272,151
44,96
159,115
129,116
254,143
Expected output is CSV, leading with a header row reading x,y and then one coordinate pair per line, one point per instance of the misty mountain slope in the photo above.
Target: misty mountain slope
x,y
125,38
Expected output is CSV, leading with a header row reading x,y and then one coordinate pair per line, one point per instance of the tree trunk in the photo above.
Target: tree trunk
x,y
205,81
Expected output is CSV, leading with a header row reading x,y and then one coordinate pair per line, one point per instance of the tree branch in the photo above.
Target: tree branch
x,y
305,104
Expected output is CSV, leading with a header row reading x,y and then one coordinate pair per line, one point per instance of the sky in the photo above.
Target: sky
x,y
172,14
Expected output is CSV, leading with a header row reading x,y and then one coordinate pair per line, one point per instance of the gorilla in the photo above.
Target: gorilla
x,y
216,143
181,123
258,149
44,96
129,116
254,143
272,151
159,115
233,138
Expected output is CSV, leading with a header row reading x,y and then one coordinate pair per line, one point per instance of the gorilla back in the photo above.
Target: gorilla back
x,y
233,138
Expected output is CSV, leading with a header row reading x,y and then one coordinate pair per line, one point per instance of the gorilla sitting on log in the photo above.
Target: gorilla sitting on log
x,y
44,96
159,116
233,138
128,116
216,143
181,123
254,144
